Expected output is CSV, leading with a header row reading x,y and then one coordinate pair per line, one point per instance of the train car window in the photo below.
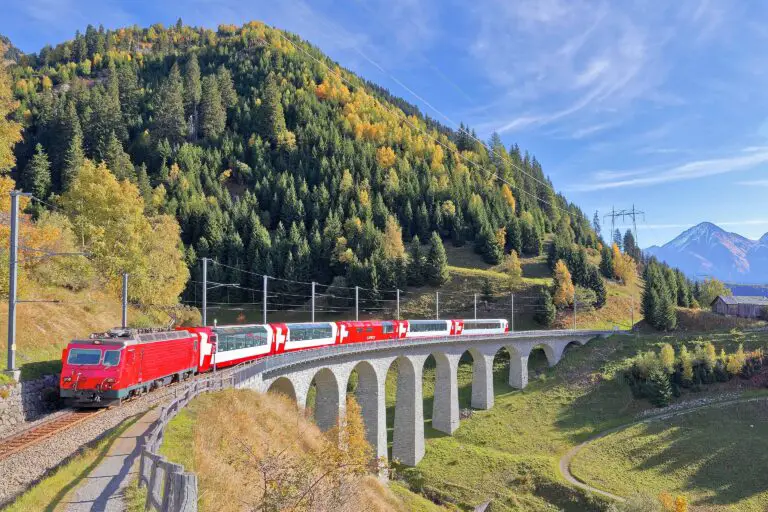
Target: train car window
x,y
111,358
359,330
388,327
301,332
84,356
234,338
369,329
475,326
415,326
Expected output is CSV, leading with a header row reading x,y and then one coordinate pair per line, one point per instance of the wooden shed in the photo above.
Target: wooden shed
x,y
740,305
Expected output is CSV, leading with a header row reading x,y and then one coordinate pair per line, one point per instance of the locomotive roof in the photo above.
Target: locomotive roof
x,y
133,338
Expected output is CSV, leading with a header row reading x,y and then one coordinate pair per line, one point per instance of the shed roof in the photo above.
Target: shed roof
x,y
733,300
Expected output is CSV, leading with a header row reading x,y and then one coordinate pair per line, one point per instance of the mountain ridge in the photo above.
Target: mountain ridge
x,y
707,249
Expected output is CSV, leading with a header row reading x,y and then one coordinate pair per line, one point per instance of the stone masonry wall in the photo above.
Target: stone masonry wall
x,y
27,401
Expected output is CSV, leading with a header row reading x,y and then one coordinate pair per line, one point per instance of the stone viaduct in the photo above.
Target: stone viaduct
x,y
330,369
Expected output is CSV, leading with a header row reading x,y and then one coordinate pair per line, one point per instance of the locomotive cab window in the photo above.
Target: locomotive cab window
x,y
111,358
476,326
388,327
301,332
84,356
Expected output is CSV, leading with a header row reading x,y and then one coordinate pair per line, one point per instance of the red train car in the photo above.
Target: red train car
x,y
119,364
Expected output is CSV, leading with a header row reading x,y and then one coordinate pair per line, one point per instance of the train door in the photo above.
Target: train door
x,y
130,366
140,366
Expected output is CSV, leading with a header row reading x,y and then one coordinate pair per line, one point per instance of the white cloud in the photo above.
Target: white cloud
x,y
692,170
754,183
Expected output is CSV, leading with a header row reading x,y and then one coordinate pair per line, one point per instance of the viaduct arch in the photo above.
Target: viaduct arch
x,y
330,369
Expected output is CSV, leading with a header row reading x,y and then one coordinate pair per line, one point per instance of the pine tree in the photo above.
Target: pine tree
x,y
545,311
606,262
436,264
272,120
213,117
596,224
74,157
617,240
169,121
37,174
192,86
416,263
118,161
226,87
595,283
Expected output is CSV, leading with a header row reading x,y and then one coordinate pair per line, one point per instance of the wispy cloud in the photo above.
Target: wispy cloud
x,y
754,183
722,224
693,170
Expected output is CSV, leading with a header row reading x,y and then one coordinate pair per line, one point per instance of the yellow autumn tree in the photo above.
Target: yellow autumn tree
x,y
392,244
385,157
108,220
564,290
624,267
668,358
10,131
506,193
511,266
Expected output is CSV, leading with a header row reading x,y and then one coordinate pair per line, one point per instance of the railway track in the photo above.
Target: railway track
x,y
44,430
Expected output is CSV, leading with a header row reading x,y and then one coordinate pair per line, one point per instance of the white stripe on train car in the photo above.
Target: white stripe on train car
x,y
206,348
343,333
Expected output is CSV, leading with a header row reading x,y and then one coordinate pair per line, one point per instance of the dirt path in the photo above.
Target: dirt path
x,y
102,489
565,461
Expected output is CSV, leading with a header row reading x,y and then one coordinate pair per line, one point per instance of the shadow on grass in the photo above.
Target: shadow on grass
x,y
719,451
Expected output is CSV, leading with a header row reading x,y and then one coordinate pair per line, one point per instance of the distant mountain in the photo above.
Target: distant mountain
x,y
707,249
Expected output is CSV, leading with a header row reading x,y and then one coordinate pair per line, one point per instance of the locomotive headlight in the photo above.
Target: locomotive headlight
x,y
67,379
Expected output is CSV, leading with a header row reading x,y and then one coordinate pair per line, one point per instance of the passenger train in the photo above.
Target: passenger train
x,y
110,367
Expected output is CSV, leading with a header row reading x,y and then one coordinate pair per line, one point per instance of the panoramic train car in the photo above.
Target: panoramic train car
x,y
480,327
110,367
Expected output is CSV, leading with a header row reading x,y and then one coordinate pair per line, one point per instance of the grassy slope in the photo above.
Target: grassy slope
x,y
186,430
717,457
511,452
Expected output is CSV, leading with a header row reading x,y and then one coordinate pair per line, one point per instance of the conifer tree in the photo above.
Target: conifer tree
x,y
436,264
596,225
545,311
606,262
37,174
272,120
74,156
416,263
192,85
118,161
213,117
226,87
169,120
595,283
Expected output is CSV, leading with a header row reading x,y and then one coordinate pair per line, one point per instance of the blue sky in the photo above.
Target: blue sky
x,y
657,104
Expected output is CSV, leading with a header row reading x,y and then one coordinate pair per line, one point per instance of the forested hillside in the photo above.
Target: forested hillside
x,y
274,159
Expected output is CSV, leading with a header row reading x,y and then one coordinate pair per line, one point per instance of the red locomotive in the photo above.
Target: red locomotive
x,y
110,367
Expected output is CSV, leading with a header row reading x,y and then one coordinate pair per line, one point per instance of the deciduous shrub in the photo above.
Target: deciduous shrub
x,y
659,377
